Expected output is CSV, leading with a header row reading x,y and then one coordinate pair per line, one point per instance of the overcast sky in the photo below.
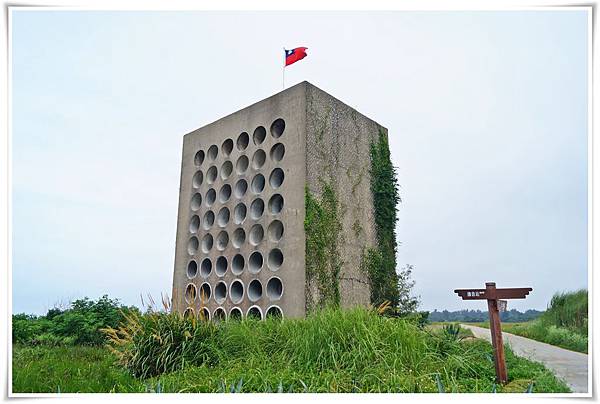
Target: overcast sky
x,y
486,112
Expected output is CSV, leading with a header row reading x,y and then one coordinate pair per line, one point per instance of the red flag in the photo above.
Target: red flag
x,y
294,55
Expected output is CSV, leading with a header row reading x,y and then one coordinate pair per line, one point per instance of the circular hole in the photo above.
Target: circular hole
x,y
192,269
255,290
208,220
277,152
207,243
254,313
275,230
242,141
239,236
239,213
222,240
189,313
259,135
220,292
258,183
274,312
255,262
205,292
258,159
197,179
226,170
257,208
204,314
227,147
275,259
196,201
223,217
221,266
256,234
205,268
275,204
241,165
225,193
194,224
192,246
190,293
236,291
212,152
199,158
210,197
237,264
235,314
276,178
277,128
240,188
274,288
211,174
219,314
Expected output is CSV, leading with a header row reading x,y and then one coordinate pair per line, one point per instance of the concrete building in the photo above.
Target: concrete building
x,y
241,242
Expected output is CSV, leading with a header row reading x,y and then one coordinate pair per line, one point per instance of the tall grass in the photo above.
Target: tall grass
x,y
568,310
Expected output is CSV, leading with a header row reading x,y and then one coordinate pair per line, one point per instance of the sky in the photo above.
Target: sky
x,y
486,113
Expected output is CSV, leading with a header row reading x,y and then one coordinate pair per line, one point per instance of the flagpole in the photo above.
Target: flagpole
x,y
283,81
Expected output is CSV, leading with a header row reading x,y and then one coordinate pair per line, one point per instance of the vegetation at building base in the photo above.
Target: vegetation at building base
x,y
332,350
476,316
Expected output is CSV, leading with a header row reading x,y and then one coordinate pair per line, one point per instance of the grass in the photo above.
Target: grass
x,y
331,351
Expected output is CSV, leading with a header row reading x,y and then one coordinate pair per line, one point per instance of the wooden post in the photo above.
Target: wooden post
x,y
496,331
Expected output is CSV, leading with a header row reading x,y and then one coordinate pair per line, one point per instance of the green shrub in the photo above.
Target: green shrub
x,y
568,310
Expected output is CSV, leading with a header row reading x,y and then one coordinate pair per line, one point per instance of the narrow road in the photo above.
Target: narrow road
x,y
570,366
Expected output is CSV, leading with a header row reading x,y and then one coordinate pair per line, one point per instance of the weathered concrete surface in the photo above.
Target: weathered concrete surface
x,y
570,366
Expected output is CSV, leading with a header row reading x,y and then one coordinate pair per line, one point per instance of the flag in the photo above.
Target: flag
x,y
294,55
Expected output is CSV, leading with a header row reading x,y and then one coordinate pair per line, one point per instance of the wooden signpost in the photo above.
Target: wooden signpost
x,y
496,303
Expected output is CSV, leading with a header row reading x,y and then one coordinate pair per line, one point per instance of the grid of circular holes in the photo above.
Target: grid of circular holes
x,y
239,236
192,246
227,147
239,213
275,259
210,197
199,158
196,201
237,264
205,292
204,314
226,169
258,183
274,312
207,243
277,152
192,269
225,193
276,204
190,293
213,151
205,268
241,165
219,314
255,290
208,220
220,292
242,141
211,174
223,217
274,288
255,262
257,234
197,179
235,314
221,266
189,313
222,240
275,230
277,128
258,159
276,178
257,208
194,224
240,188
259,135
236,291
254,313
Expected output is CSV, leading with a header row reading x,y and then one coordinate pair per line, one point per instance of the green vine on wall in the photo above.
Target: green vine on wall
x,y
380,262
323,264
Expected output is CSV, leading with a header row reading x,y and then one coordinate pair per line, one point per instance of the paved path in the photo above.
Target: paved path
x,y
570,366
